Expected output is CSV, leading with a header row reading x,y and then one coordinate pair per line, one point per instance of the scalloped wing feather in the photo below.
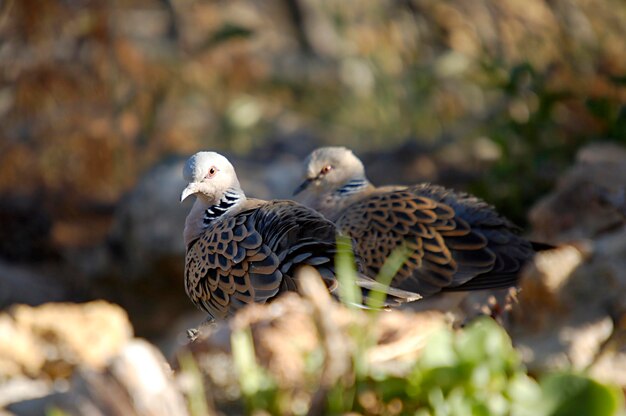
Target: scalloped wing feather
x,y
454,238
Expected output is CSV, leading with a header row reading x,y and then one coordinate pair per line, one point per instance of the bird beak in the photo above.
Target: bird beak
x,y
302,186
188,191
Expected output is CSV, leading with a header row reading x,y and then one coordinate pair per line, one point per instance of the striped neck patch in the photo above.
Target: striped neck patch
x,y
354,186
231,198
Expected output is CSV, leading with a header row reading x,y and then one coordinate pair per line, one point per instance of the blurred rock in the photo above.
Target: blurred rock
x,y
572,300
20,389
52,339
146,235
25,226
610,364
572,305
81,359
588,199
31,284
409,163
136,382
461,308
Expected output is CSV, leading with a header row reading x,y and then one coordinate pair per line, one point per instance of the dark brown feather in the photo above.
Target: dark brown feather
x,y
458,241
249,257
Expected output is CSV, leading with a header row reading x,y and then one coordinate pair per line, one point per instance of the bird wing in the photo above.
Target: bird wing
x,y
445,251
251,256
511,250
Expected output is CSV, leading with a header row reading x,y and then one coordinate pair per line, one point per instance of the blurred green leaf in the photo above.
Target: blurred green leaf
x,y
475,371
196,398
345,268
55,411
393,263
571,394
439,351
257,386
227,32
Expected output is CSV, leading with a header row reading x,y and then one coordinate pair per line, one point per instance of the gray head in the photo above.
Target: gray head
x,y
209,176
329,168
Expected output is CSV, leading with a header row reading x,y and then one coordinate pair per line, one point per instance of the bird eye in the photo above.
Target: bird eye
x,y
212,172
326,169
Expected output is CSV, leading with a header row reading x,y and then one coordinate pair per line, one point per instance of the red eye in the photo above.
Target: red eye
x,y
326,169
212,172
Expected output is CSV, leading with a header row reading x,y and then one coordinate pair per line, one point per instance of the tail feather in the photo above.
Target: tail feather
x,y
537,246
394,297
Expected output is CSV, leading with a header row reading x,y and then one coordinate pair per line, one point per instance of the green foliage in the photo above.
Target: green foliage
x,y
346,273
55,411
196,398
478,372
228,31
569,394
534,129
257,387
392,264
474,371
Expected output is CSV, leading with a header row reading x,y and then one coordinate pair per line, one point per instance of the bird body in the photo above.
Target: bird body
x,y
249,256
243,250
456,241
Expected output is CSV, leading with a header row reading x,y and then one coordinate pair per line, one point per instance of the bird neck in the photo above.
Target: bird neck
x,y
204,213
229,200
334,202
353,186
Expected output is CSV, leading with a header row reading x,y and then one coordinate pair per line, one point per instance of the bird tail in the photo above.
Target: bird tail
x,y
367,285
393,296
537,246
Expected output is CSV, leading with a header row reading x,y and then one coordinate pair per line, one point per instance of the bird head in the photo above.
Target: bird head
x,y
327,169
209,176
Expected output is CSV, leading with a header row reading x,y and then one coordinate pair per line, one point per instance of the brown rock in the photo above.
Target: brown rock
x,y
31,284
588,199
570,307
53,338
572,300
137,381
80,358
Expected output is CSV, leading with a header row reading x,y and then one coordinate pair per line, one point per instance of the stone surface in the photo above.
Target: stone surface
x,y
25,228
81,359
572,307
588,199
137,381
572,303
52,339
31,284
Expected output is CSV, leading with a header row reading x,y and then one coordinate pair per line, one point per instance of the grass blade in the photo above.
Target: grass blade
x,y
392,264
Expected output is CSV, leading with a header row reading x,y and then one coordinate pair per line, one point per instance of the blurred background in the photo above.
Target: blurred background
x,y
102,100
